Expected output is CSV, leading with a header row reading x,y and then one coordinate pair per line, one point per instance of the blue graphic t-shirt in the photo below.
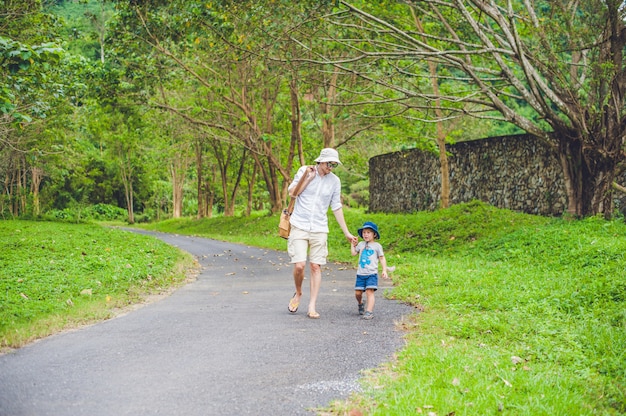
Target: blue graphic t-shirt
x,y
368,257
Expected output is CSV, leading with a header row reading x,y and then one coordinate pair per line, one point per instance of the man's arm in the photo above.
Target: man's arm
x,y
307,176
342,223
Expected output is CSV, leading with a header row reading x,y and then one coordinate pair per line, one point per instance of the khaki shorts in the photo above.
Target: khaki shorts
x,y
301,241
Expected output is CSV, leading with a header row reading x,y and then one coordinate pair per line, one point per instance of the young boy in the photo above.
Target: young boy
x,y
367,271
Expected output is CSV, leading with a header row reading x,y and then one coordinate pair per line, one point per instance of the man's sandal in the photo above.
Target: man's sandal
x,y
293,304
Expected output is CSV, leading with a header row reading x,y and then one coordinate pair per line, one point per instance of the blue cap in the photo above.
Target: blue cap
x,y
372,226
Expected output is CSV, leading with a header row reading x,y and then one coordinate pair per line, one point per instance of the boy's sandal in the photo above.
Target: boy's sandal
x,y
361,308
293,304
368,315
313,315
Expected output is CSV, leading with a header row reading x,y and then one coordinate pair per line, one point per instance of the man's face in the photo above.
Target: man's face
x,y
328,166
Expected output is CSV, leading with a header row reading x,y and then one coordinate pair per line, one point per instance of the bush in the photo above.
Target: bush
x,y
98,212
104,212
359,195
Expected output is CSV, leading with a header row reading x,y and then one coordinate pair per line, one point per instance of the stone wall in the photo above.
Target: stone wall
x,y
519,173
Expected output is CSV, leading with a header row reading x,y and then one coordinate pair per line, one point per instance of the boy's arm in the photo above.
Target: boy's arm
x,y
353,247
383,262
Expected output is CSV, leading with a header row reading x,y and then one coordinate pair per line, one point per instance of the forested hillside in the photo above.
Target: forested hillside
x,y
149,110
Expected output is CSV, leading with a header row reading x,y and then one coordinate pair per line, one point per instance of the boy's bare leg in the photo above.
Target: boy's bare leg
x,y
358,294
370,299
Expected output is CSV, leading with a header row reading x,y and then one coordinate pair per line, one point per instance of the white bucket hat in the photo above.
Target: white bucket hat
x,y
328,155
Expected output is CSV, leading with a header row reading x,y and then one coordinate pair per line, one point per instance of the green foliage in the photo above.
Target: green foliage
x,y
22,67
359,195
56,275
98,212
29,52
84,25
92,103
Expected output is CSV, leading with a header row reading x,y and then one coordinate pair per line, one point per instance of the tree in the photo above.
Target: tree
x,y
99,20
32,83
26,52
562,82
238,96
243,83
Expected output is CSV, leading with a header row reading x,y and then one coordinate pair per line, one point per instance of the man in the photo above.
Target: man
x,y
309,223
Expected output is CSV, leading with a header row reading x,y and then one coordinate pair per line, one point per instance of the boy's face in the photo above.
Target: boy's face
x,y
368,234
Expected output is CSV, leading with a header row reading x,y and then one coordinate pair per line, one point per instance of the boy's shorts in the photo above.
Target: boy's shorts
x,y
301,241
366,281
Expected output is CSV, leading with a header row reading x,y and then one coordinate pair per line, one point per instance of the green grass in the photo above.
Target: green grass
x,y
519,314
55,276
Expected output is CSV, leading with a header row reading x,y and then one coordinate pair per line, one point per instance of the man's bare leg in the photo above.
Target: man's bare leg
x,y
316,281
298,278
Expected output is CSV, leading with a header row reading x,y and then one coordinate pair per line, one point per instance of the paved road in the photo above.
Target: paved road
x,y
222,345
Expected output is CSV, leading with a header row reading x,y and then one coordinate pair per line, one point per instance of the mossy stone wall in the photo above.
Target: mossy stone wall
x,y
519,173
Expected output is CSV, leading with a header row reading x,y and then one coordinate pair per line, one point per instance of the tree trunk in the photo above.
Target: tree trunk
x,y
328,117
235,189
178,171
445,169
588,176
202,208
598,185
441,134
251,182
36,176
178,182
23,188
296,135
441,140
131,203
127,179
209,195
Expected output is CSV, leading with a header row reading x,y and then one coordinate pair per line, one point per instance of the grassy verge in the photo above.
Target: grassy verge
x,y
57,276
520,314
529,322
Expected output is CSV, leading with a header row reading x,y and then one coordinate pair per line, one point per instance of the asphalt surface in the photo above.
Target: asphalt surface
x,y
224,344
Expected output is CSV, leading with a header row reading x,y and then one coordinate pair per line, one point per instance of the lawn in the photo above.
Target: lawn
x,y
55,276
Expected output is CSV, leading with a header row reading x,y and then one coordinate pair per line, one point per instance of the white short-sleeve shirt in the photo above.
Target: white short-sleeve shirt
x,y
311,209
